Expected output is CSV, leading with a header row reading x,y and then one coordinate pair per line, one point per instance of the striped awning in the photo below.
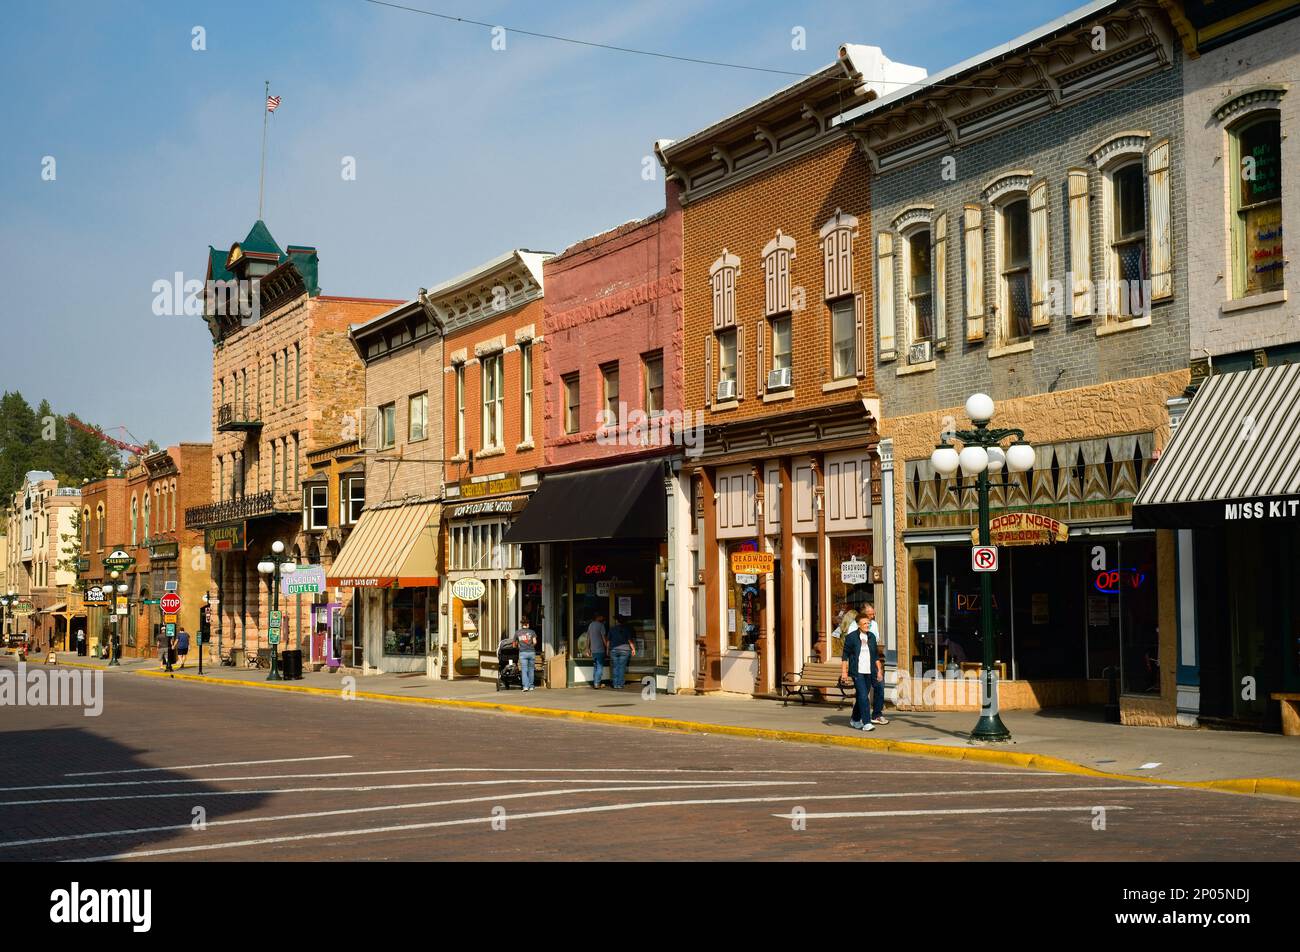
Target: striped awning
x,y
394,546
1235,456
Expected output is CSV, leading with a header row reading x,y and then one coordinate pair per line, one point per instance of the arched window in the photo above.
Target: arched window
x,y
146,516
1257,204
135,519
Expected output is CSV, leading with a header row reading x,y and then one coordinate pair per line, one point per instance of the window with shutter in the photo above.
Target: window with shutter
x,y
1038,267
740,362
837,254
777,255
861,351
885,294
973,259
939,293
722,278
1160,240
1080,245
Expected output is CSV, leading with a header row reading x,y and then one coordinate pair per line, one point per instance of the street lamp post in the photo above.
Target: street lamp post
x,y
272,567
981,454
4,616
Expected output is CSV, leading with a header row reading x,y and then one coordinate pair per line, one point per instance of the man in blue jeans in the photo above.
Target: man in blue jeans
x,y
598,645
526,638
621,649
856,662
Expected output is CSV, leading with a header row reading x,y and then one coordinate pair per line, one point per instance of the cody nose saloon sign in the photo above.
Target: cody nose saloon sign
x,y
1023,528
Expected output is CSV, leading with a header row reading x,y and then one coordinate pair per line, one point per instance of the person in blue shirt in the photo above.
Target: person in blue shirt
x,y
877,670
858,661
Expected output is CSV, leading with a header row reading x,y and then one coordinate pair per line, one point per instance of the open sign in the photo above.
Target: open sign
x,y
1109,582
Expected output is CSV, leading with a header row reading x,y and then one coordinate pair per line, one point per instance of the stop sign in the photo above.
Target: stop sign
x,y
170,603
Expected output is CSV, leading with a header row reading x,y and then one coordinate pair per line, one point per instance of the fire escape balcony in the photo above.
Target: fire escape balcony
x,y
252,506
237,417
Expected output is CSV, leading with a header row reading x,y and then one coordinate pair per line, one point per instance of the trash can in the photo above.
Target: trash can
x,y
291,663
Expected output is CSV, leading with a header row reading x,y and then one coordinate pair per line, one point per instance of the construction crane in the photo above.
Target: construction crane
x,y
135,448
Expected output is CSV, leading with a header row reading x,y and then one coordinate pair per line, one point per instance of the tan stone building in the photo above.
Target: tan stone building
x,y
285,380
42,534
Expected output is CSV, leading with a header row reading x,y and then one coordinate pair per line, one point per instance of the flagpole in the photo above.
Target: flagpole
x,y
261,178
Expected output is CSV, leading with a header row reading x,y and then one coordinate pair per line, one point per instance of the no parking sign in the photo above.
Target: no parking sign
x,y
984,558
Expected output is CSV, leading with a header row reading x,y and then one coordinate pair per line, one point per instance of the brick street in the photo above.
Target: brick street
x,y
309,778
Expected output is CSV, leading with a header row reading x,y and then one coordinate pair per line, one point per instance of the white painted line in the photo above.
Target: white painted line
x,y
470,821
567,791
228,763
370,788
487,770
830,816
1150,766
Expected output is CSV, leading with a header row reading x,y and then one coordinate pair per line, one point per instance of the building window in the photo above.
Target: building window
x,y
145,536
572,403
776,274
723,275
842,339
284,466
1128,235
920,301
1257,206
316,507
275,379
493,403
727,357
837,254
297,372
99,521
460,410
652,372
609,388
275,465
388,426
297,471
526,404
352,499
418,418
286,375
135,520
781,343
1014,272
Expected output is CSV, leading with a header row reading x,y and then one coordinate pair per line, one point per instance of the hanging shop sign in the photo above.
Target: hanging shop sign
x,y
1023,528
96,597
309,580
226,538
164,550
488,507
468,589
118,561
752,563
854,572
22,608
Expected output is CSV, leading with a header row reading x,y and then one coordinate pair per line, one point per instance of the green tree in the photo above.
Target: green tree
x,y
19,434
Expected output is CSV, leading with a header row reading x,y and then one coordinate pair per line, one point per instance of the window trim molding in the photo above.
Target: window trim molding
x,y
1130,144
1235,107
1008,183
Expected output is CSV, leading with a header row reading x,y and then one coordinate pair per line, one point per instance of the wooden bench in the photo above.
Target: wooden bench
x,y
1290,712
815,676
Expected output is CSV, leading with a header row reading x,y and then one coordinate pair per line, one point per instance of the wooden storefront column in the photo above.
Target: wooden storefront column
x,y
789,663
707,641
763,647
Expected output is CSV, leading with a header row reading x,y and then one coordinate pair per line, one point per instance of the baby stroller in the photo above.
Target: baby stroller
x,y
508,671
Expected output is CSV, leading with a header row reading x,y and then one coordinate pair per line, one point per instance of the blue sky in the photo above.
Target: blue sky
x,y
461,151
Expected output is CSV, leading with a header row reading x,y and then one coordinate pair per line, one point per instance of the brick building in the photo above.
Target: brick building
x,y
776,276
613,439
104,529
390,565
42,519
1028,240
285,380
333,497
1227,485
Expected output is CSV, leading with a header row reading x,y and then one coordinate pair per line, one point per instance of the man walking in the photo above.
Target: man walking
x,y
877,669
81,642
855,662
526,639
621,649
598,645
182,646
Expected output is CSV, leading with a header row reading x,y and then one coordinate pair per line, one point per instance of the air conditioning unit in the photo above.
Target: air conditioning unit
x,y
921,353
779,379
726,390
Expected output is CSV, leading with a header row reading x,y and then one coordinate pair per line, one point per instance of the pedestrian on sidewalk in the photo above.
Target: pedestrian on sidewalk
x,y
855,663
877,668
622,648
182,646
164,648
81,642
598,645
526,639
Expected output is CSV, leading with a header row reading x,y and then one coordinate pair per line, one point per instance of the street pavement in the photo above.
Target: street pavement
x,y
181,770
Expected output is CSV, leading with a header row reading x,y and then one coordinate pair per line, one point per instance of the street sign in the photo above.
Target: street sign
x,y
274,636
121,608
171,630
169,619
984,558
275,618
151,601
170,603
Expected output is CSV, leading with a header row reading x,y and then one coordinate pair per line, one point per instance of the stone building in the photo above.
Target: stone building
x,y
776,278
1028,238
42,519
612,495
285,381
1229,483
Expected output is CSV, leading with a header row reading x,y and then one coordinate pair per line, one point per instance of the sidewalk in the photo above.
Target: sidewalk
x,y
1073,739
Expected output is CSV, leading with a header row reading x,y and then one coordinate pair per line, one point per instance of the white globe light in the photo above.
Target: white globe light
x,y
997,459
974,460
277,546
979,407
286,567
944,460
1020,457
266,568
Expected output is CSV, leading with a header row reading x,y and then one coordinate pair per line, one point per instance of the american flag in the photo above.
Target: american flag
x,y
272,102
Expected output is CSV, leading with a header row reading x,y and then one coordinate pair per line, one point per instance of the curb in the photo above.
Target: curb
x,y
1243,785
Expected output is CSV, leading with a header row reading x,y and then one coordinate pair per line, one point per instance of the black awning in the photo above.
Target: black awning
x,y
625,501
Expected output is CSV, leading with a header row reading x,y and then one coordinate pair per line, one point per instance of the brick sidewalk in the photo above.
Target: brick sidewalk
x,y
1077,735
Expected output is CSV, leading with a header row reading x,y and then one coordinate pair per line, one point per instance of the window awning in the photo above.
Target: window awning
x,y
395,546
1234,458
625,501
55,608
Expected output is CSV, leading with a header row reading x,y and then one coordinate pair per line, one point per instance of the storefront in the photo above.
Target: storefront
x,y
480,616
1077,596
390,559
601,535
1229,484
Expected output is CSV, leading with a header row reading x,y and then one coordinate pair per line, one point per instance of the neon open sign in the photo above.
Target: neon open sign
x,y
1109,582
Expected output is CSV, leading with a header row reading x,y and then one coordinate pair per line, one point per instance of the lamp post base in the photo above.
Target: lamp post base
x,y
990,728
